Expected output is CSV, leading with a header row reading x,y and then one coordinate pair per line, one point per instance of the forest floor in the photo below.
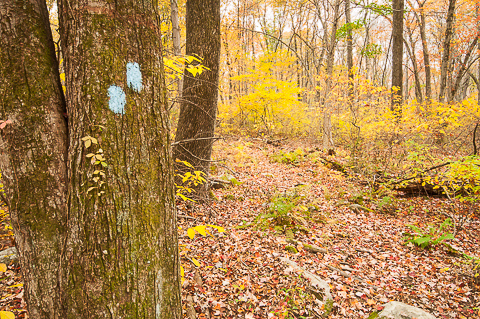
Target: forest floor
x,y
238,273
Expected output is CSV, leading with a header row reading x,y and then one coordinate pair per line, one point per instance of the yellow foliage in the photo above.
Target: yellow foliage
x,y
272,106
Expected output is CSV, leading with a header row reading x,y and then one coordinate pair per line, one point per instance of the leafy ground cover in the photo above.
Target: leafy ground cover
x,y
369,259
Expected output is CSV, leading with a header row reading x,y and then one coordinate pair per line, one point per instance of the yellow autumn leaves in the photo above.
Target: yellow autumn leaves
x,y
5,314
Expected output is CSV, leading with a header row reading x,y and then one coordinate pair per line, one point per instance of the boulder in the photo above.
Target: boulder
x,y
399,310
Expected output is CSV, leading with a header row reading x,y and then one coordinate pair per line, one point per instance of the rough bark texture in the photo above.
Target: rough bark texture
x,y
33,152
198,111
121,253
397,54
446,50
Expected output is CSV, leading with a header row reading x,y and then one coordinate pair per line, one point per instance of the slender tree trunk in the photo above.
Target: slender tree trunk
x,y
327,121
397,55
477,9
196,125
121,252
177,49
426,54
463,69
418,89
33,156
349,51
446,50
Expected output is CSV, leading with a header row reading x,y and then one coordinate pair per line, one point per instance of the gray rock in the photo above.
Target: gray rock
x,y
399,310
8,255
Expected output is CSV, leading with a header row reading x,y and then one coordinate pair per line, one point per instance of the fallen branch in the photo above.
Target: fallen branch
x,y
307,247
315,281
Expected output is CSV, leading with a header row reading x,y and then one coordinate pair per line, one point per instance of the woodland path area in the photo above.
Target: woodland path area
x,y
366,262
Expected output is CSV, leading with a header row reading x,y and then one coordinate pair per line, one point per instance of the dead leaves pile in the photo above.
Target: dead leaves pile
x,y
367,263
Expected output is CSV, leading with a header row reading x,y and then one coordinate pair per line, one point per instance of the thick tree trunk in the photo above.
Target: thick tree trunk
x,y
397,55
121,252
446,50
198,111
34,150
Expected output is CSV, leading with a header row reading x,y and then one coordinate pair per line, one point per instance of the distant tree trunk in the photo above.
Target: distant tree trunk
x,y
446,50
196,124
327,116
349,51
477,10
177,49
33,156
418,88
463,69
426,54
397,55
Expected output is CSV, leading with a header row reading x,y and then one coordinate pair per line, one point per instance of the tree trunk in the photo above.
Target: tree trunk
x,y
426,54
349,51
410,51
121,251
397,55
176,41
196,124
327,121
446,50
97,239
463,69
34,150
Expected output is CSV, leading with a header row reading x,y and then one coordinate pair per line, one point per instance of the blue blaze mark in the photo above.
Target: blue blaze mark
x,y
134,76
117,99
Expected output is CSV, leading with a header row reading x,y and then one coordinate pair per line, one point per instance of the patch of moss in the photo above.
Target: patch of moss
x,y
328,307
229,197
291,249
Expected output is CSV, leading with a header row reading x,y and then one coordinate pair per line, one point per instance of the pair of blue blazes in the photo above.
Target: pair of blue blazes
x,y
116,94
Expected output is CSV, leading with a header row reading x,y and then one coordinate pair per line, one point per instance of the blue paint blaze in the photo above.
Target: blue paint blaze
x,y
134,76
117,99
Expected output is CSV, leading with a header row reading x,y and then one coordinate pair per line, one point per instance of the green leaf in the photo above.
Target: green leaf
x,y
422,240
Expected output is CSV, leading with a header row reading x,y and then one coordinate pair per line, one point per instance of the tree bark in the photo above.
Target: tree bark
x,y
397,55
198,109
34,150
446,50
